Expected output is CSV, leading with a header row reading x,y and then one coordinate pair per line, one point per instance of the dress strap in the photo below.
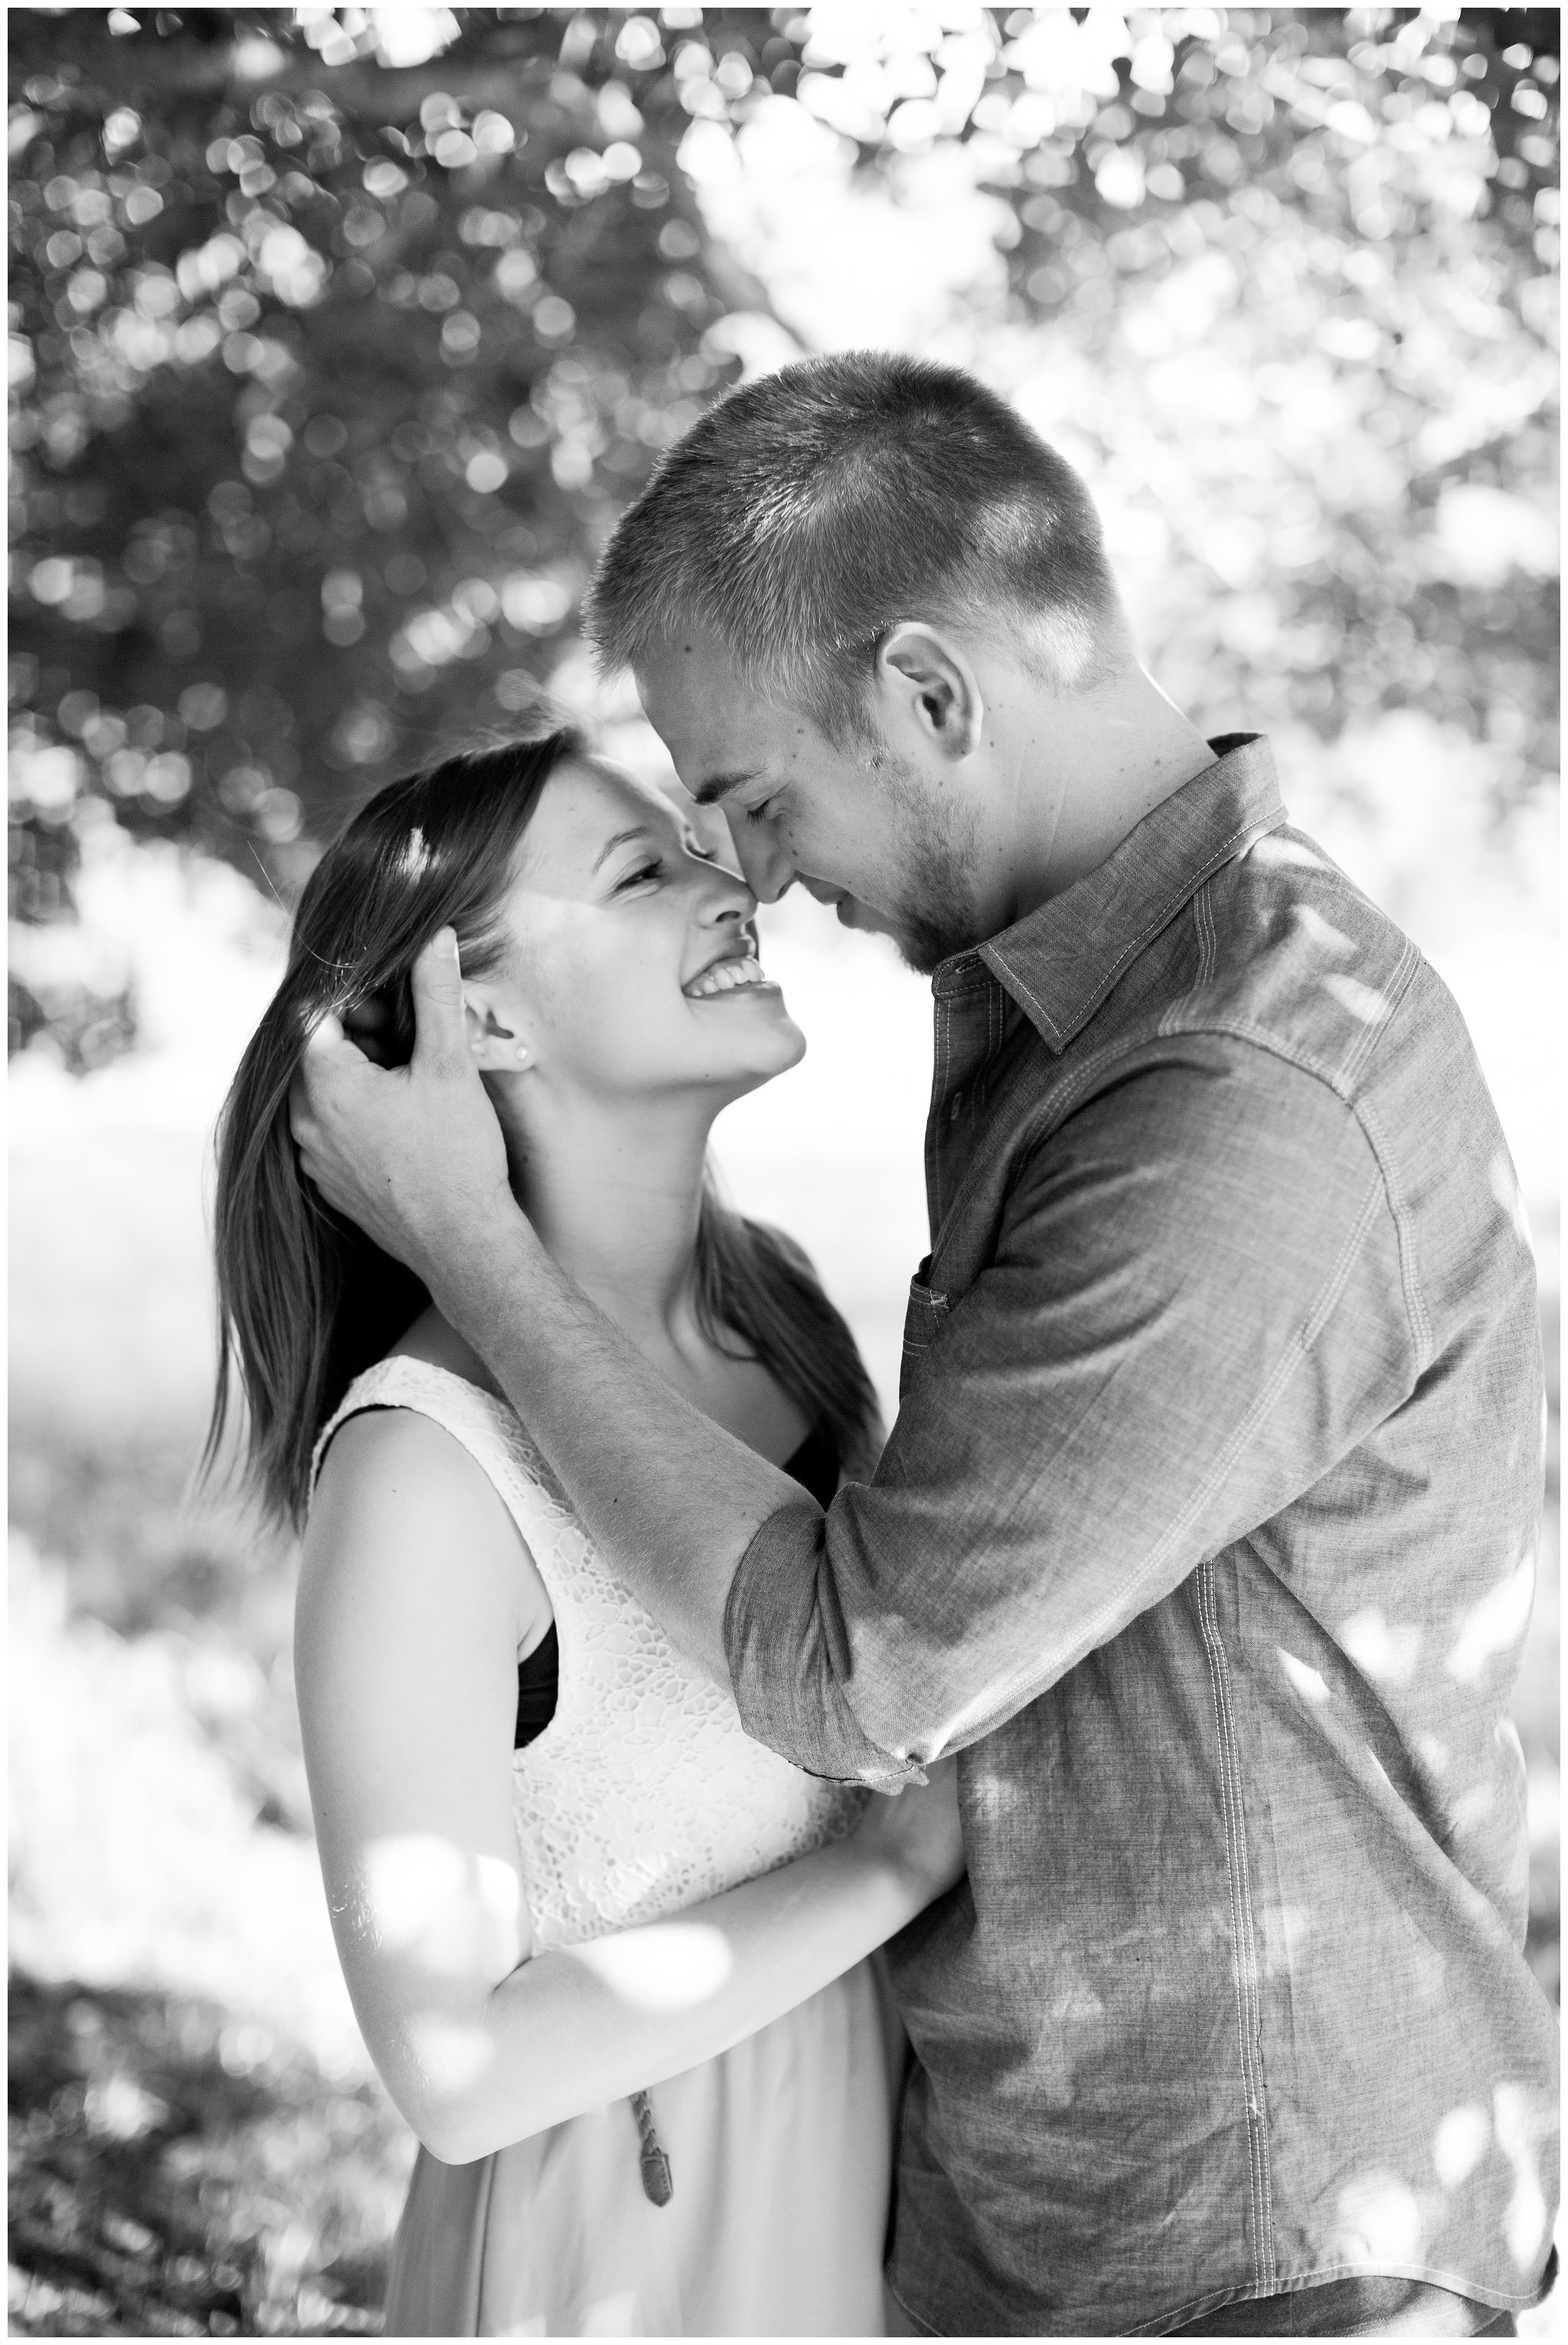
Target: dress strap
x,y
485,1426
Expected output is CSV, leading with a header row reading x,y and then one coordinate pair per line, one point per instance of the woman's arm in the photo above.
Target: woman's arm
x,y
407,1632
581,2026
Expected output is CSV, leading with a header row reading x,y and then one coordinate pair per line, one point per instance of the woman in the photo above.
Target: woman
x,y
630,2124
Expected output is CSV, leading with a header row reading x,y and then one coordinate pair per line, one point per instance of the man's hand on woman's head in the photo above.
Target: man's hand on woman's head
x,y
413,1155
368,1025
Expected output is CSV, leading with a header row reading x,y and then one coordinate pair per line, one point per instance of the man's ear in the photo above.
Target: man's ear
x,y
932,685
499,1049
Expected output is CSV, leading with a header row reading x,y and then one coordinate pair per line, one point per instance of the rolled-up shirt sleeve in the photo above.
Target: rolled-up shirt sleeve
x,y
1195,1303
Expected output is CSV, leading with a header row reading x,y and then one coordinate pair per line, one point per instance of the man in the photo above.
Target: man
x,y
1205,1531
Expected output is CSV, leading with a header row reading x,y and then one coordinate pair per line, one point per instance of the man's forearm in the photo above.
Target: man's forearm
x,y
671,1500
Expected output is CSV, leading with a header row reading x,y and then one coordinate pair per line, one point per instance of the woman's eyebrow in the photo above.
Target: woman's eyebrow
x,y
637,831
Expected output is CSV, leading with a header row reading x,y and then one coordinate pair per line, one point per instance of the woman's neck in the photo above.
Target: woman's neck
x,y
615,1192
615,1195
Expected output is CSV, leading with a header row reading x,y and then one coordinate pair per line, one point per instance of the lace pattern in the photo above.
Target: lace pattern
x,y
644,1795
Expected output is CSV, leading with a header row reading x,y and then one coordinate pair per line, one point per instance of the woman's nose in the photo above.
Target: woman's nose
x,y
726,896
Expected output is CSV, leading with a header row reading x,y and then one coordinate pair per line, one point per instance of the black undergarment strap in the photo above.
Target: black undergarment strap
x,y
538,1682
815,1466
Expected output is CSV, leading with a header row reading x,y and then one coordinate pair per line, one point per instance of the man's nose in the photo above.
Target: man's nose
x,y
766,865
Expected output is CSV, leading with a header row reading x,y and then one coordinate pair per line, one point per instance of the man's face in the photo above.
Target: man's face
x,y
863,828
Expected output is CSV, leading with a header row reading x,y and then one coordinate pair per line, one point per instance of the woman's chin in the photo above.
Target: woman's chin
x,y
765,1039
793,1045
784,1036
770,1051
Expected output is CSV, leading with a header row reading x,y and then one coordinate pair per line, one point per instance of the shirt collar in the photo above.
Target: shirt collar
x,y
1061,962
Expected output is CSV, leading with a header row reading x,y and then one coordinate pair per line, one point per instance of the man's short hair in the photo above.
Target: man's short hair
x,y
809,512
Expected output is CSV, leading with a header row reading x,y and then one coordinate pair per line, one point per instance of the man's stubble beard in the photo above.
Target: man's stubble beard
x,y
934,912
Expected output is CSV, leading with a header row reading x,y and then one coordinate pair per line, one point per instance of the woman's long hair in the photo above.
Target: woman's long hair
x,y
306,1302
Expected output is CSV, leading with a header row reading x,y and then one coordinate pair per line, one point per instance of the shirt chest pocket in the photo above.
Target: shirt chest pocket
x,y
923,1318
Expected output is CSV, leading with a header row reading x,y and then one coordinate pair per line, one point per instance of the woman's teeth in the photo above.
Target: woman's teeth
x,y
724,977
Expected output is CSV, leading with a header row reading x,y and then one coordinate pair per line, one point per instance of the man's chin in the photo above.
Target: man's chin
x,y
919,943
916,950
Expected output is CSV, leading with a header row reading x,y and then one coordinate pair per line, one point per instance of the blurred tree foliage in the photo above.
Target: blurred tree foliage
x,y
333,363
176,2173
332,375
1289,277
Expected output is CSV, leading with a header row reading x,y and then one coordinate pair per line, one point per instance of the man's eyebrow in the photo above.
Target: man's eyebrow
x,y
637,831
718,786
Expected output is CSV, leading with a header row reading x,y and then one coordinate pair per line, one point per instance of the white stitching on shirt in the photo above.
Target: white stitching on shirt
x,y
1235,1917
1248,2011
1313,1325
1360,1049
1054,1110
938,1093
1001,1701
1208,961
1221,2300
1415,1306
1209,933
1162,919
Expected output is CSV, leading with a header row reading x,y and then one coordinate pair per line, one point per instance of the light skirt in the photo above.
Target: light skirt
x,y
781,2152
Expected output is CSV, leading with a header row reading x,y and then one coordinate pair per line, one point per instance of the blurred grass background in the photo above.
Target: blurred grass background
x,y
339,338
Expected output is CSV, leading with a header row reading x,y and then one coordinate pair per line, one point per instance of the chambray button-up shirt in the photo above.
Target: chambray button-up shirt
x,y
1206,1535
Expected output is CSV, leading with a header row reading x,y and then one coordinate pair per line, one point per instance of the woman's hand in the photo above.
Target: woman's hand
x,y
919,1829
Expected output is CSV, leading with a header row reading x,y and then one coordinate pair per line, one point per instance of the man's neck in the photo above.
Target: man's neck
x,y
1087,770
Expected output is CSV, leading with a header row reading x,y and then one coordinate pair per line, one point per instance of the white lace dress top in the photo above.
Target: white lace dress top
x,y
643,1795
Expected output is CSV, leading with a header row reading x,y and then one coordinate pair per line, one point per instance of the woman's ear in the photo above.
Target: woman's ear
x,y
498,1049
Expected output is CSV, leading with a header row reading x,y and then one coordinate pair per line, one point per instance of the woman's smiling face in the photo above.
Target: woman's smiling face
x,y
631,966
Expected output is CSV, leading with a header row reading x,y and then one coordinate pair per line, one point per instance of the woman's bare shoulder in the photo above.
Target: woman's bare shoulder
x,y
398,1496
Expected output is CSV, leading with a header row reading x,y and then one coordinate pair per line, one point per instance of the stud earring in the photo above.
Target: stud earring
x,y
521,1054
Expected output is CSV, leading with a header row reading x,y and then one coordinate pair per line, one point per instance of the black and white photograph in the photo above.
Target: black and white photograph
x,y
784,1051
